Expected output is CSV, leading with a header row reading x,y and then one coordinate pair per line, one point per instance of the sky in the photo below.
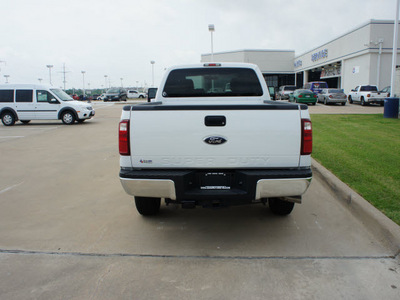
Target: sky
x,y
120,38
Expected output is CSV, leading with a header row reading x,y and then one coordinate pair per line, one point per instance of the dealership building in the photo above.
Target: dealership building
x,y
360,56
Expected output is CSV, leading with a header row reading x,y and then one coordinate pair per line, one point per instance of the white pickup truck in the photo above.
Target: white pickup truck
x,y
366,94
214,138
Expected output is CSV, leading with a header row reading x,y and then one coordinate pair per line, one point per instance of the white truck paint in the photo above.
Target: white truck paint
x,y
366,94
214,138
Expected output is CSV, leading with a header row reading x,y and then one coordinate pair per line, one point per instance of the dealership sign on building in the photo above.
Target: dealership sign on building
x,y
319,55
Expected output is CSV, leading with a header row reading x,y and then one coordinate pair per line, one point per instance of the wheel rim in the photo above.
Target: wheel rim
x,y
67,118
8,119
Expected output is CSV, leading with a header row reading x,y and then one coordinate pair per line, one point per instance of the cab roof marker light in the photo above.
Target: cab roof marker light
x,y
212,65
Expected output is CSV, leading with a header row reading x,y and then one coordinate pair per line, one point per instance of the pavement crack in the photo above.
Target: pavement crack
x,y
220,257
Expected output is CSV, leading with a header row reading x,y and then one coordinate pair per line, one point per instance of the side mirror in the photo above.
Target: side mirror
x,y
54,101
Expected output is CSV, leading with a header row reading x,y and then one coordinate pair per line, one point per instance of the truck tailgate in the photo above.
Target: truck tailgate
x,y
256,136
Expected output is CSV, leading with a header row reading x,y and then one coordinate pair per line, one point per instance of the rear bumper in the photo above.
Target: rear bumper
x,y
375,100
333,100
245,186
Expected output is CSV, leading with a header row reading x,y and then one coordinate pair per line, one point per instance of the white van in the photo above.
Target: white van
x,y
26,102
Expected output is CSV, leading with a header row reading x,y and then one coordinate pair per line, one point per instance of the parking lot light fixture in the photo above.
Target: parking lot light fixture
x,y
83,78
50,66
6,77
152,71
105,80
211,29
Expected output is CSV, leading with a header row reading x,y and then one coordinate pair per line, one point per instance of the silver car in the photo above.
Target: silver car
x,y
329,96
284,92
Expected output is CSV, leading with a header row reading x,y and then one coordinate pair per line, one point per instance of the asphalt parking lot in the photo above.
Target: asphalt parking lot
x,y
69,231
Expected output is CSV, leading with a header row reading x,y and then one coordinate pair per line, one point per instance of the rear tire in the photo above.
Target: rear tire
x,y
363,103
280,207
148,206
8,118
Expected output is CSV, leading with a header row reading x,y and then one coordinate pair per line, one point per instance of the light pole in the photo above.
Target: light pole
x,y
83,78
40,80
393,87
50,66
105,80
121,82
211,29
152,71
6,76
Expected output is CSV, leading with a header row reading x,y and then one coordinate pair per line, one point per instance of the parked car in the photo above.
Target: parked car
x,y
303,96
116,94
386,90
75,97
332,96
189,147
315,86
284,92
136,94
101,97
367,94
94,97
26,102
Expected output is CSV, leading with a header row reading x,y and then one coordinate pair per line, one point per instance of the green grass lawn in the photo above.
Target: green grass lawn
x,y
364,152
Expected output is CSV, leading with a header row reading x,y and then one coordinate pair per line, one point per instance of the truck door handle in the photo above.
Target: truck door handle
x,y
215,121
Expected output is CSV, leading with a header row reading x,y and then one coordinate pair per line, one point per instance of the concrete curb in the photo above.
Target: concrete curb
x,y
385,229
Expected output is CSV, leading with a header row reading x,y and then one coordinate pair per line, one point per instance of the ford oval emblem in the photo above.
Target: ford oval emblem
x,y
215,140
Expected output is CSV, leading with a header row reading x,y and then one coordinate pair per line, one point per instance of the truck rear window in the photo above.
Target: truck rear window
x,y
212,82
368,88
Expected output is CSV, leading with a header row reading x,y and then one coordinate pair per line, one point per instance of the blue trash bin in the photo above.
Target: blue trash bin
x,y
391,109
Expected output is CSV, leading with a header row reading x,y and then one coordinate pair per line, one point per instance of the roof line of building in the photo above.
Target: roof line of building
x,y
249,50
369,22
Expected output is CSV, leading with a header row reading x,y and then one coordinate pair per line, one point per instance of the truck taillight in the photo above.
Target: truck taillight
x,y
306,137
124,148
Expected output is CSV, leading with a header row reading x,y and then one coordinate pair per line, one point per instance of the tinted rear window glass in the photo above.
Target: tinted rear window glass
x,y
290,88
24,96
368,88
320,85
6,95
212,82
335,91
